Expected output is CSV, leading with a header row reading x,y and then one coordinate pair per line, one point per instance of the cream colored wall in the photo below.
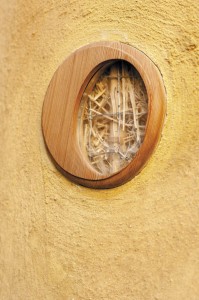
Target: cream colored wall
x,y
62,241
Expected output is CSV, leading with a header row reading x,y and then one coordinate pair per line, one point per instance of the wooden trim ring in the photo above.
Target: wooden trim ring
x,y
62,101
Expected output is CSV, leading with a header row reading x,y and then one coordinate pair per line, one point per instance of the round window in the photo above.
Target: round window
x,y
103,114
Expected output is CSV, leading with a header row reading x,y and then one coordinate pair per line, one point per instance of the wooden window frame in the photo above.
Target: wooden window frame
x,y
61,106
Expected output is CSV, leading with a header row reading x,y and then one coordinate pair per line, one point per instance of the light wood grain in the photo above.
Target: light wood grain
x,y
61,106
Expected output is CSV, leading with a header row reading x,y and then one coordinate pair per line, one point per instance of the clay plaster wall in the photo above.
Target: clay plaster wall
x,y
62,241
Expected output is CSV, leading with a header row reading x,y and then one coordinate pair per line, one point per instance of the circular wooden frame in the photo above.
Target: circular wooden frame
x,y
62,101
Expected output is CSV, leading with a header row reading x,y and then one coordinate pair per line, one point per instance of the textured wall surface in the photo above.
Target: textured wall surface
x,y
62,241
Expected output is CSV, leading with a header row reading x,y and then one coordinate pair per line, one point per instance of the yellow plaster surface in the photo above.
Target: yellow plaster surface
x,y
62,241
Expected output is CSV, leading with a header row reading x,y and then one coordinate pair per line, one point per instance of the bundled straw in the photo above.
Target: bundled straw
x,y
114,118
